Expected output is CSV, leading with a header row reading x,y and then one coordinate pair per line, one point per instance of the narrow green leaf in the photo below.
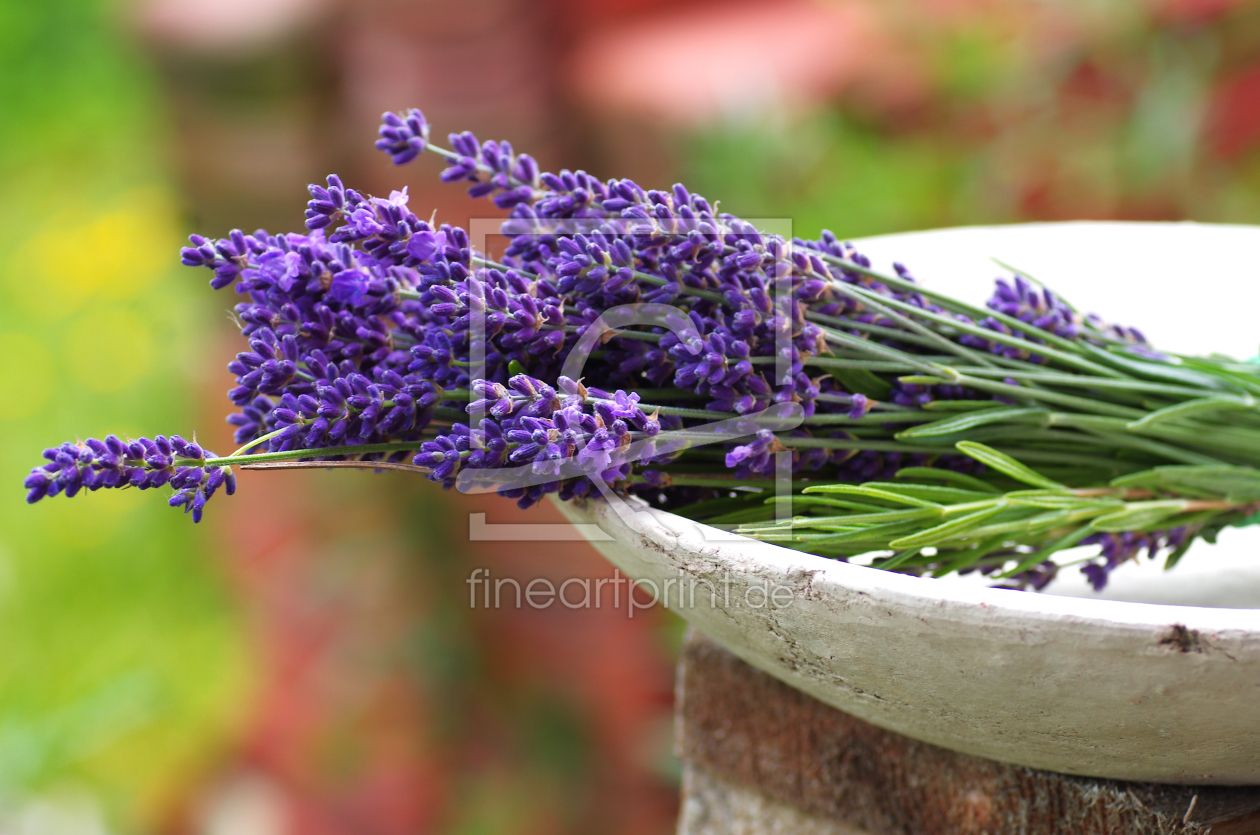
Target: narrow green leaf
x,y
1027,524
1237,484
1199,518
961,423
1041,555
858,520
740,517
1235,374
1152,370
1138,515
1204,405
872,492
1175,556
1003,463
921,380
897,560
766,526
960,405
952,528
932,492
789,540
963,480
877,536
1057,500
827,501
1052,519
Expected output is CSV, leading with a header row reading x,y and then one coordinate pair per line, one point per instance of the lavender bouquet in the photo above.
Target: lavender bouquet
x,y
639,342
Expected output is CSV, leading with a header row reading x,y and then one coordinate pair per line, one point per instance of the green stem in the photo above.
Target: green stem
x,y
876,419
950,303
820,361
1084,404
235,460
1087,381
865,346
874,330
840,443
254,443
882,305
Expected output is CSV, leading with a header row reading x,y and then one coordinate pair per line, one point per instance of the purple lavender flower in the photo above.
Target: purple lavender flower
x,y
755,458
326,205
144,463
425,245
1045,311
541,438
530,319
492,166
913,395
1040,308
1118,548
404,136
1035,578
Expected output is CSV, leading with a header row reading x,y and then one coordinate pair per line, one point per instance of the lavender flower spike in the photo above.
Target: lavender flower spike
x,y
403,137
144,463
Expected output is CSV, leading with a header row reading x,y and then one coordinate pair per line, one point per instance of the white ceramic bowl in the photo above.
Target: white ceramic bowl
x,y
1158,679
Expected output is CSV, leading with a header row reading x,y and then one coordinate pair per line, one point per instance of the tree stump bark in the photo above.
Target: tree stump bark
x,y
761,758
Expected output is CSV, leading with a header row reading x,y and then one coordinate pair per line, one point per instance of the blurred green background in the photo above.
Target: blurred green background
x,y
123,664
305,660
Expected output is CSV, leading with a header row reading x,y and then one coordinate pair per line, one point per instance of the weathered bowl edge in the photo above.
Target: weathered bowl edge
x,y
1122,690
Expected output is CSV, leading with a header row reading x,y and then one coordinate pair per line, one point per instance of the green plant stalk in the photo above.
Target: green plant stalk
x,y
967,527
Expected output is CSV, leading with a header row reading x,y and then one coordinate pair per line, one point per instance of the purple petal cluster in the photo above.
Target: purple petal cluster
x,y
1035,578
143,463
1118,548
1042,309
403,137
543,439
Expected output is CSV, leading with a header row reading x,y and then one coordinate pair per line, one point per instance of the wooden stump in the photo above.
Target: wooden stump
x,y
761,758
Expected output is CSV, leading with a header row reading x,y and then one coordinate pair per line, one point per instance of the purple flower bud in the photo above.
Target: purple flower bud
x,y
403,137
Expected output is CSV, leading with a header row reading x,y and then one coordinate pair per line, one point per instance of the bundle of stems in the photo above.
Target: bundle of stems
x,y
639,342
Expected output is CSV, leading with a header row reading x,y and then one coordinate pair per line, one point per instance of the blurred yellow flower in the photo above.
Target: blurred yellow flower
x,y
114,254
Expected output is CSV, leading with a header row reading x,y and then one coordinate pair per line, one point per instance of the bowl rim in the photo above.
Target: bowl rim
x,y
694,537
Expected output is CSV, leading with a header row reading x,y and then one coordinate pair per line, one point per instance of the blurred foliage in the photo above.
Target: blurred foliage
x,y
825,170
122,663
1015,111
